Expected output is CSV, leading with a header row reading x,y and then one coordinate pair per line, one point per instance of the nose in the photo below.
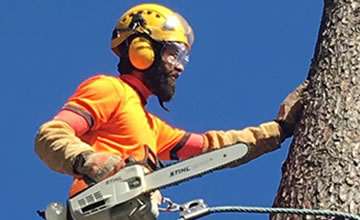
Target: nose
x,y
179,67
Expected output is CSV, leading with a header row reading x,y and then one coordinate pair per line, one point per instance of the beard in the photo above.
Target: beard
x,y
161,81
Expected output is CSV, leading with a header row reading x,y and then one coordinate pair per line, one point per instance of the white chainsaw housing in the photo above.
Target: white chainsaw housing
x,y
120,197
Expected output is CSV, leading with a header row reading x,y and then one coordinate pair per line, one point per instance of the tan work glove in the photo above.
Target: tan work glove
x,y
57,145
97,166
290,110
262,139
155,198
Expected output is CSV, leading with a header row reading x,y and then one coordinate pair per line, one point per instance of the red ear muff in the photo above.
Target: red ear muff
x,y
141,53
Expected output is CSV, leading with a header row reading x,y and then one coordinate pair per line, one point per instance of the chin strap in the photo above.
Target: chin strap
x,y
162,105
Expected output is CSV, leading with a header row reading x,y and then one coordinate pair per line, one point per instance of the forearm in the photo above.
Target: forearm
x,y
262,139
57,145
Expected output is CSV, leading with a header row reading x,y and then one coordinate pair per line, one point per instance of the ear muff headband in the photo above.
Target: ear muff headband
x,y
141,53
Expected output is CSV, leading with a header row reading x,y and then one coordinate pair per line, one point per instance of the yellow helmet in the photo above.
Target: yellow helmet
x,y
156,21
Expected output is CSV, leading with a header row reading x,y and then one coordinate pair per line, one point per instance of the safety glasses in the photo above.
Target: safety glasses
x,y
175,54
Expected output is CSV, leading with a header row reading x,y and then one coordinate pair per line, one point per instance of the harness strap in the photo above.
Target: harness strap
x,y
147,162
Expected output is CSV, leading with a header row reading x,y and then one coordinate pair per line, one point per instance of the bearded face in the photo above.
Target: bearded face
x,y
162,79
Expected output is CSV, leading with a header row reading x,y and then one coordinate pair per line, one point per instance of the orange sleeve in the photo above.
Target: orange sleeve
x,y
77,121
95,99
168,138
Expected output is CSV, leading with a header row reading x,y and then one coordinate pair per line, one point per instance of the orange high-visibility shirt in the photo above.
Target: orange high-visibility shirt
x,y
119,123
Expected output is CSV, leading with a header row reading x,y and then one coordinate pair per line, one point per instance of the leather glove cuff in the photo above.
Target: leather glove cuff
x,y
79,162
286,129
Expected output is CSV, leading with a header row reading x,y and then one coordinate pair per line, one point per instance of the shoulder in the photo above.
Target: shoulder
x,y
102,84
102,79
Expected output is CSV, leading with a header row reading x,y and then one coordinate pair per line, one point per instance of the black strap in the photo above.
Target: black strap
x,y
41,214
147,160
175,150
68,214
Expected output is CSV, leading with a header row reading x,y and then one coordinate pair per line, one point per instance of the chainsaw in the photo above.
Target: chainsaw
x,y
126,195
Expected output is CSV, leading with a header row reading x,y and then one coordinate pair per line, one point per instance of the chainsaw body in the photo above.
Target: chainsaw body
x,y
126,195
119,197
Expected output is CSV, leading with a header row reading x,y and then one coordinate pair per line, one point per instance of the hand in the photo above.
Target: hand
x,y
97,166
155,198
290,110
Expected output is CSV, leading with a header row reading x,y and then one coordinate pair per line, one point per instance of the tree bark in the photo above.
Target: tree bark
x,y
322,170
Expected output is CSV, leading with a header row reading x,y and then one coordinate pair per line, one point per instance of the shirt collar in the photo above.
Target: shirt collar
x,y
143,91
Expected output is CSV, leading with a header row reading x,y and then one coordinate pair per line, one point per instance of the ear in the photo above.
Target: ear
x,y
141,53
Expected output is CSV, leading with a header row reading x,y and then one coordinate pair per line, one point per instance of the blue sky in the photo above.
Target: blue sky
x,y
247,56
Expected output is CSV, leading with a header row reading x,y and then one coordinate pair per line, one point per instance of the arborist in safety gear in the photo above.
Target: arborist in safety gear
x,y
104,123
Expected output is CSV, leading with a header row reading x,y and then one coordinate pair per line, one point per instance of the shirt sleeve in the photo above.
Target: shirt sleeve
x,y
95,99
168,138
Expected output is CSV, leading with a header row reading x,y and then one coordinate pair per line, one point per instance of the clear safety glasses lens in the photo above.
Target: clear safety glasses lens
x,y
175,54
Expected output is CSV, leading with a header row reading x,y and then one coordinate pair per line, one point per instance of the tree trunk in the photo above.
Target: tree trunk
x,y
322,170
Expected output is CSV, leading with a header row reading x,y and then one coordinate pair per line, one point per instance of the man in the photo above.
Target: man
x,y
105,121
